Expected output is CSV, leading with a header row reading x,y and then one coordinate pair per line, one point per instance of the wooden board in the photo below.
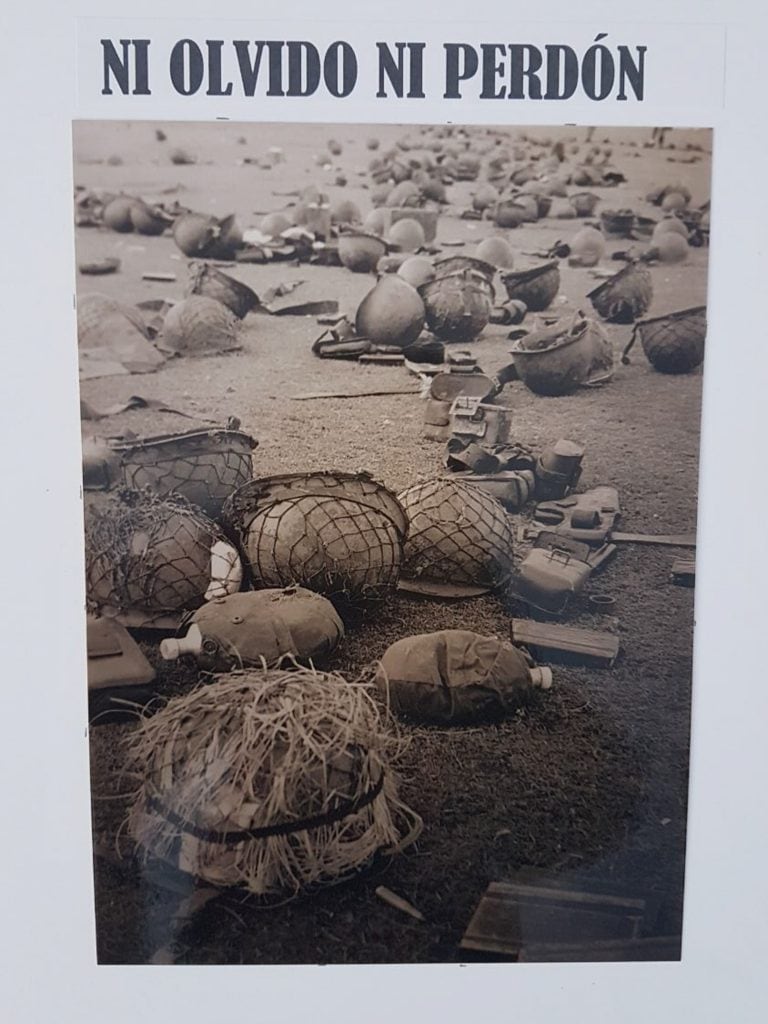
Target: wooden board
x,y
311,395
549,641
512,917
672,540
114,657
683,572
382,359
158,275
660,948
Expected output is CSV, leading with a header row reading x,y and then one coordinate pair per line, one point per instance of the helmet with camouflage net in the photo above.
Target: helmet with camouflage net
x,y
339,534
147,557
459,540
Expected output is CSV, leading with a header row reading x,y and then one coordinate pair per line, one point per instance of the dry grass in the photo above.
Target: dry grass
x,y
270,781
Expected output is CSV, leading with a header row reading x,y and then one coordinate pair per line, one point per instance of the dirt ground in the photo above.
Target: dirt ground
x,y
590,782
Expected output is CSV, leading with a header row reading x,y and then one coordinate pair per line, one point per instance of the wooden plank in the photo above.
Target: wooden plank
x,y
548,641
656,948
311,395
673,540
382,359
158,275
683,572
511,917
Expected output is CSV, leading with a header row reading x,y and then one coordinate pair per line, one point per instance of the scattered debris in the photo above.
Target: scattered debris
x,y
312,395
512,488
88,412
444,390
558,470
317,307
391,898
208,281
674,540
550,641
189,532
471,418
556,569
530,922
589,516
114,657
181,157
158,275
382,359
113,339
464,454
654,948
107,265
508,313
683,572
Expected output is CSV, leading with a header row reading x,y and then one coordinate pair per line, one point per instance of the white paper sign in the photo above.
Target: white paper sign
x,y
277,70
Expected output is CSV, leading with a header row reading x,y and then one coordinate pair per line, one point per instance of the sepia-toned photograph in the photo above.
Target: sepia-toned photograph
x,y
390,447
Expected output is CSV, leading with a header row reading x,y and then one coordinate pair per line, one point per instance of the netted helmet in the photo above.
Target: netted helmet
x,y
155,555
673,343
339,534
458,305
203,466
199,326
459,540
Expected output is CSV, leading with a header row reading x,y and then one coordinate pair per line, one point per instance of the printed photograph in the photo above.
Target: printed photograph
x,y
390,466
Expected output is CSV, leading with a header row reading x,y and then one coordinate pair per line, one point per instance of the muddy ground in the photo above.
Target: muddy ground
x,y
588,783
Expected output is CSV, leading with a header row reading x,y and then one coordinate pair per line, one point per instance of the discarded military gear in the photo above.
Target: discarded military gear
x,y
258,627
456,676
459,540
339,534
673,343
270,781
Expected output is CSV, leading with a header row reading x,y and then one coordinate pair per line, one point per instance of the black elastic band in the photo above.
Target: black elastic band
x,y
285,828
